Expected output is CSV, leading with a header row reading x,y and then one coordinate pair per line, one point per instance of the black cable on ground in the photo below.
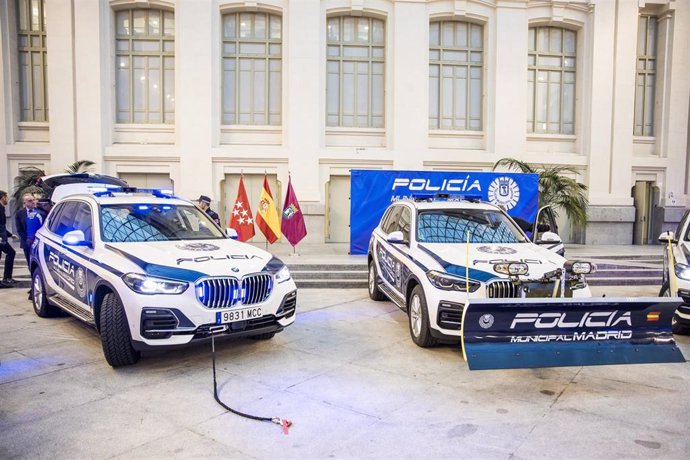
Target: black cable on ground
x,y
285,423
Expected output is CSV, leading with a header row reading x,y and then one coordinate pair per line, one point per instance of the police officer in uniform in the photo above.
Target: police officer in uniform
x,y
204,203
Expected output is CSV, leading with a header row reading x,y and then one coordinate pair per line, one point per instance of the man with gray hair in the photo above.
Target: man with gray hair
x,y
27,221
5,245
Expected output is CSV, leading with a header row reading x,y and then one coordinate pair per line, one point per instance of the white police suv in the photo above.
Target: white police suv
x,y
431,255
149,270
680,245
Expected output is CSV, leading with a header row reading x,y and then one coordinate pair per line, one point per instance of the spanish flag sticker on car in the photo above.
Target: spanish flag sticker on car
x,y
653,316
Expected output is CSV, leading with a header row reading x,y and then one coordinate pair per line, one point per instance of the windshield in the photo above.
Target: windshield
x,y
135,223
452,225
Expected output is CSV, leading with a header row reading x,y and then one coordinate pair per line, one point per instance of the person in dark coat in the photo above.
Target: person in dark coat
x,y
5,246
205,205
27,221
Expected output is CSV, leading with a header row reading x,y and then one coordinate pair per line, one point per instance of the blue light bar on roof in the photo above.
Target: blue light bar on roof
x,y
158,193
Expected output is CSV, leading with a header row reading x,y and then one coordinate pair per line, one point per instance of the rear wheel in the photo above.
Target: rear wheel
x,y
115,335
374,291
676,327
419,319
39,298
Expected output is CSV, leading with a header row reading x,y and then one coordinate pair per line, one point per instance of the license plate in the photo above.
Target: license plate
x,y
232,316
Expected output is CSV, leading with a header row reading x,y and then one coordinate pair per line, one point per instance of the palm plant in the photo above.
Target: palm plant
x,y
80,166
555,189
26,182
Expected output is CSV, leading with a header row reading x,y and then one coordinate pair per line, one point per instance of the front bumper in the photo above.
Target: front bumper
x,y
170,321
446,307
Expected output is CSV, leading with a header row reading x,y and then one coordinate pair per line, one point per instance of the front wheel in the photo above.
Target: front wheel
x,y
676,327
39,299
419,319
374,291
115,335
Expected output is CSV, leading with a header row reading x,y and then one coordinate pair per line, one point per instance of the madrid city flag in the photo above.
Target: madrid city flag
x,y
292,224
241,218
267,215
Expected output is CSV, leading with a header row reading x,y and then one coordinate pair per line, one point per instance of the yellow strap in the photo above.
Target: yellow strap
x,y
672,280
467,265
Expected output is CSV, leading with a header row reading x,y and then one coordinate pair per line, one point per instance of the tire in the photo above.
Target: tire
x,y
676,327
665,290
418,315
115,336
39,298
374,291
265,336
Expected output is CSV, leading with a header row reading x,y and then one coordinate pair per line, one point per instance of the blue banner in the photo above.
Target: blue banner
x,y
372,191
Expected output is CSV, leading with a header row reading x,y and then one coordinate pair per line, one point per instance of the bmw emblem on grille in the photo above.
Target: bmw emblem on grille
x,y
197,247
235,269
496,249
486,321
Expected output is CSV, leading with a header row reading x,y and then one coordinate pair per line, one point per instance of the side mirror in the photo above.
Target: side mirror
x,y
74,238
667,236
396,237
232,233
549,237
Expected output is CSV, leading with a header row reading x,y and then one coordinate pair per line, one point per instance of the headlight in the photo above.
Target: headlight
x,y
150,285
682,271
277,268
283,274
579,268
511,268
449,282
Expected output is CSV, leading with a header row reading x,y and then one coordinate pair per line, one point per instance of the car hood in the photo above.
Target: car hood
x,y
482,257
193,259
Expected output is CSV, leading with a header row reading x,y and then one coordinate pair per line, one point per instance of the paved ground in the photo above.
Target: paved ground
x,y
349,377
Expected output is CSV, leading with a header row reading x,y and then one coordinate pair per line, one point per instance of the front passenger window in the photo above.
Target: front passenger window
x,y
83,221
404,224
392,223
65,221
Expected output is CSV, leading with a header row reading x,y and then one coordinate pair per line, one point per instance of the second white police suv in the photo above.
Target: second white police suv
x,y
431,256
149,270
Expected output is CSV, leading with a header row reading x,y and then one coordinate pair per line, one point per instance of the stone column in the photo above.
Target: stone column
x,y
193,96
60,17
408,116
508,135
90,46
608,138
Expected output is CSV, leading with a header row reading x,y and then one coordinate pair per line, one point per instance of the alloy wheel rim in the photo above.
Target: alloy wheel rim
x,y
416,315
372,281
38,292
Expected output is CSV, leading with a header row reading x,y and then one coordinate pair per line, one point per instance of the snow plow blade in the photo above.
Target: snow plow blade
x,y
552,332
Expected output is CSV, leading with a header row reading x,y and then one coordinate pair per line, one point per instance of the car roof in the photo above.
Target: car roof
x,y
130,198
423,205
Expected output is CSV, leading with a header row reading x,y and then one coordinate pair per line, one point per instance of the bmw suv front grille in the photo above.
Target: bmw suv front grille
x,y
225,292
502,290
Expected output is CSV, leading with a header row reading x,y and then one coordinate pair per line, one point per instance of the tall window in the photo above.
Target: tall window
x,y
31,35
551,78
252,69
455,75
646,76
355,77
145,66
